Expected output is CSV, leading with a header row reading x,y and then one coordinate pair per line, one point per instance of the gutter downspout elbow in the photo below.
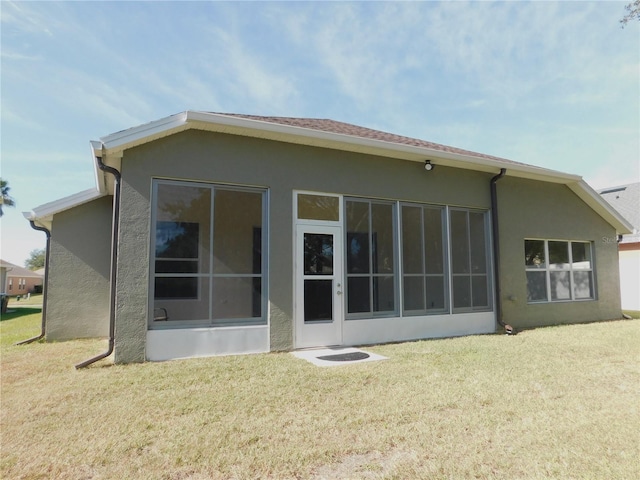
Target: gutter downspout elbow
x,y
114,263
45,287
496,251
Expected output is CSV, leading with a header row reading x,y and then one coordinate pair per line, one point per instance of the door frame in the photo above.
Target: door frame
x,y
320,333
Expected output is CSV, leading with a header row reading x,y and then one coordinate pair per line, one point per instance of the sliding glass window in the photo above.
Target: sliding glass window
x,y
208,266
470,278
370,258
423,260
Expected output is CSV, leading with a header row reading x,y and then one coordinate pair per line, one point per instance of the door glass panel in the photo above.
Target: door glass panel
x,y
318,254
318,300
318,207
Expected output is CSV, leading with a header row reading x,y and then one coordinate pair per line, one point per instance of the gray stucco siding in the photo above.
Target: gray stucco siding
x,y
527,209
78,283
279,167
537,210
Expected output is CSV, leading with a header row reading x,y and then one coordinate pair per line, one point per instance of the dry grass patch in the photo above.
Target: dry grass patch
x,y
557,402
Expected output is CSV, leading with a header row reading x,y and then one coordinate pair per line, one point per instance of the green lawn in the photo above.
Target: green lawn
x,y
34,299
559,402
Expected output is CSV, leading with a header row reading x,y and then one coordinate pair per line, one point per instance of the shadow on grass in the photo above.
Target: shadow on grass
x,y
13,313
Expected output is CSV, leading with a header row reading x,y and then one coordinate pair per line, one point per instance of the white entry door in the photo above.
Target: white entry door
x,y
319,306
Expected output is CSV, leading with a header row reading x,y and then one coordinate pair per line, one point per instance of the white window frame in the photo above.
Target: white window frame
x,y
548,269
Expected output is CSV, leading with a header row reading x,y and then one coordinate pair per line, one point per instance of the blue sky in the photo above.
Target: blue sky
x,y
554,84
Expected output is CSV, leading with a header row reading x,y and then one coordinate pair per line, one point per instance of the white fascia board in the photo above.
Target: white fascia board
x,y
44,213
115,143
96,151
143,133
384,148
601,206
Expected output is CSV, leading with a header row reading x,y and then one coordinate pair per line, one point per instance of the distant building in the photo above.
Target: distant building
x,y
626,200
21,281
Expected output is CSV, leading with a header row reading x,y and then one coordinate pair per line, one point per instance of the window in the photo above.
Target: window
x,y
318,207
370,252
469,260
558,270
423,260
208,266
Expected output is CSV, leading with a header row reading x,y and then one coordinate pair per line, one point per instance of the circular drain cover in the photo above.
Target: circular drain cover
x,y
345,357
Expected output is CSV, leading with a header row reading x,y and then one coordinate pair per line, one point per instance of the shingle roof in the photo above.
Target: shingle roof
x,y
333,126
626,200
18,271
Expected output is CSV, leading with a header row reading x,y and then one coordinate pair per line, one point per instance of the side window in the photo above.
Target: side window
x,y
558,270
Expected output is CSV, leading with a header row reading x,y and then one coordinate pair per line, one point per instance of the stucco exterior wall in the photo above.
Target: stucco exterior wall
x,y
283,168
78,295
529,209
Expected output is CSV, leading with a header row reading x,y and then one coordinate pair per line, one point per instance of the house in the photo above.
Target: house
x,y
21,281
213,234
4,298
626,200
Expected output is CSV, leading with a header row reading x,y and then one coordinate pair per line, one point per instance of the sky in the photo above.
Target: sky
x,y
552,84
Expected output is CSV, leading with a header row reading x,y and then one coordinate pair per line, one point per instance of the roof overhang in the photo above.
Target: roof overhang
x,y
43,215
601,206
111,149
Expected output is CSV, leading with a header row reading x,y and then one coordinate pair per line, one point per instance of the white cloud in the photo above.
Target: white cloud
x,y
18,16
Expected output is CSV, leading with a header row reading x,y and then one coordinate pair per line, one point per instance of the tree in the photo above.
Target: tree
x,y
36,259
6,199
633,13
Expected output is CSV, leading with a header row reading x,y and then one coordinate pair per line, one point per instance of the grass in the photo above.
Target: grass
x,y
558,402
34,299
